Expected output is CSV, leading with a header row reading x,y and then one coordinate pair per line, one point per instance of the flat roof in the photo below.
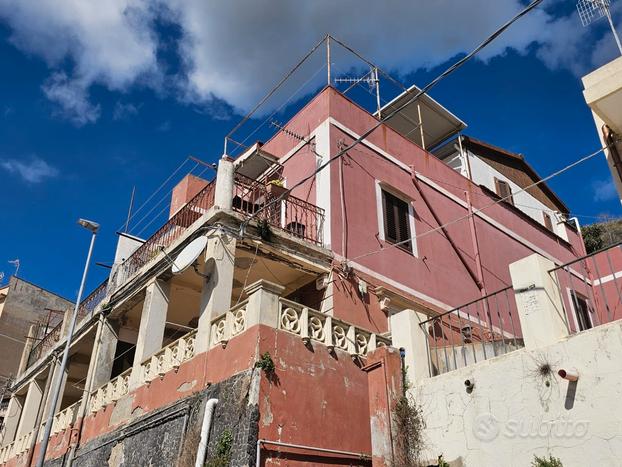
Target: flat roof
x,y
438,122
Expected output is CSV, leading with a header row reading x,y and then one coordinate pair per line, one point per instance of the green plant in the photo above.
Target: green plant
x,y
442,462
408,418
266,363
544,462
277,182
222,456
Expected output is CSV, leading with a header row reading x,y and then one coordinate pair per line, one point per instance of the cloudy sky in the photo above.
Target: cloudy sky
x,y
98,97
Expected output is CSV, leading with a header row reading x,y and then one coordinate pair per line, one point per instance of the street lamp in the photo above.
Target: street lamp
x,y
93,227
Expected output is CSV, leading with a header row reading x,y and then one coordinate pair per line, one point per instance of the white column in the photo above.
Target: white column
x,y
263,303
11,419
542,317
217,289
152,324
223,195
30,409
55,374
407,333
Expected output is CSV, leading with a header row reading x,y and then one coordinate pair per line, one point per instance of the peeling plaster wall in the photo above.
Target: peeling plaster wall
x,y
513,414
170,435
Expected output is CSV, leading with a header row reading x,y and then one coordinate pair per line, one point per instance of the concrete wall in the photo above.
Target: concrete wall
x,y
517,409
25,303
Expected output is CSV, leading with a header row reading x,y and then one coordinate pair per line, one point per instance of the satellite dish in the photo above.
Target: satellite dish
x,y
189,255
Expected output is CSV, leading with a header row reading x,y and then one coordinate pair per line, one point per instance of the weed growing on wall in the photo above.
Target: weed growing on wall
x,y
266,363
544,462
409,424
222,456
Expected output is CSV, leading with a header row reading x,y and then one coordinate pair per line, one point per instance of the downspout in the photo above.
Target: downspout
x,y
42,405
478,259
463,260
205,427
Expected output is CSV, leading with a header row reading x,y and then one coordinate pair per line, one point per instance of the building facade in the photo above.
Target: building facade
x,y
286,321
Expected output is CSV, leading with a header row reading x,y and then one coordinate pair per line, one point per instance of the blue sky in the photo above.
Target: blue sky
x,y
84,118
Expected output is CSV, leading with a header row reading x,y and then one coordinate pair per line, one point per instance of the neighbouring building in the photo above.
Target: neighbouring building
x,y
281,336
603,94
22,306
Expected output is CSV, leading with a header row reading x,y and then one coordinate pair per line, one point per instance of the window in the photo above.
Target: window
x,y
396,220
582,311
503,190
547,221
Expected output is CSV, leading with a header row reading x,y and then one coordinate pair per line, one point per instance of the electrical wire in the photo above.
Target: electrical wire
x,y
154,193
476,211
451,69
282,105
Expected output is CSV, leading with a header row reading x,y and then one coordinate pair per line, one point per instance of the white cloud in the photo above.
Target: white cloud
x,y
72,98
110,43
33,170
235,51
604,190
123,111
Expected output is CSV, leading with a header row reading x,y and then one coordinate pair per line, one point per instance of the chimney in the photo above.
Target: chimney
x,y
185,190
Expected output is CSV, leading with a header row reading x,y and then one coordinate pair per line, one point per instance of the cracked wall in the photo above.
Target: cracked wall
x,y
519,407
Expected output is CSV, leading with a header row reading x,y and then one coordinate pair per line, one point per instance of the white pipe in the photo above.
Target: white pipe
x,y
205,427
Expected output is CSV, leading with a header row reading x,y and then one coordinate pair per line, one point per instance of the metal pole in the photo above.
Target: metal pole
x,y
129,211
421,125
328,59
63,365
613,29
378,104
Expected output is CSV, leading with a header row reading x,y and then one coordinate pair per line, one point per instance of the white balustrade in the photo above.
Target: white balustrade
x,y
65,418
110,392
313,325
229,325
169,358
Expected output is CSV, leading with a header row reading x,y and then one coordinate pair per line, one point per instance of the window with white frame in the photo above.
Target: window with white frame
x,y
581,311
396,223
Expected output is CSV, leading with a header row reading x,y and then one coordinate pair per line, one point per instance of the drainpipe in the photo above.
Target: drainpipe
x,y
205,427
463,260
478,259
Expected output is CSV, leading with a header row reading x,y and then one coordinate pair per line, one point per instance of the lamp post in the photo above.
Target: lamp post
x,y
93,227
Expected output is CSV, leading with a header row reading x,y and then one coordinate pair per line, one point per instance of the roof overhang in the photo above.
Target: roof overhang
x,y
254,162
438,123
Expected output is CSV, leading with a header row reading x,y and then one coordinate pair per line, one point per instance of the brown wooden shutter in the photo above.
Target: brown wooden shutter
x,y
503,190
396,220
547,221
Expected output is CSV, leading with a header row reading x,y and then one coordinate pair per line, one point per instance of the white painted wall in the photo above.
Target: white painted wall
x,y
512,414
484,174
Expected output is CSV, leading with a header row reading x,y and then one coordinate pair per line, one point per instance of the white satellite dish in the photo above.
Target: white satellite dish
x,y
189,255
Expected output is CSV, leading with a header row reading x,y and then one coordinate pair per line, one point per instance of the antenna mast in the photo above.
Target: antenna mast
x,y
592,10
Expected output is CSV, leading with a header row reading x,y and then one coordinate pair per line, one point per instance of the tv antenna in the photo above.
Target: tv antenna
x,y
15,263
371,79
593,10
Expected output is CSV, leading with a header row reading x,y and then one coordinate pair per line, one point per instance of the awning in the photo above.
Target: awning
x,y
438,123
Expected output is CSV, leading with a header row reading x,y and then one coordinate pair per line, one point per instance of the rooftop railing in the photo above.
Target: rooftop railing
x,y
294,215
590,288
168,233
473,332
48,341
